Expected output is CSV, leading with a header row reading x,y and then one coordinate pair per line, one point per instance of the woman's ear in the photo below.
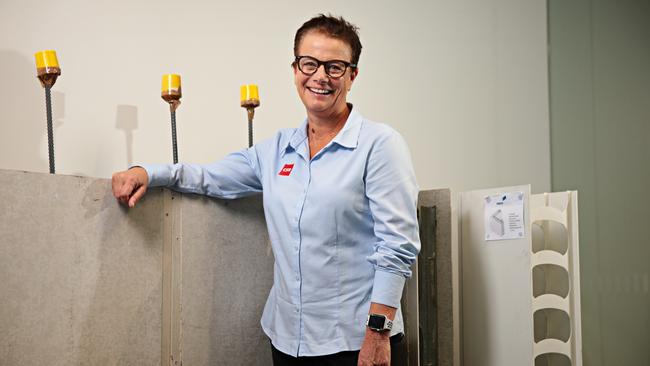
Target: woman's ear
x,y
354,73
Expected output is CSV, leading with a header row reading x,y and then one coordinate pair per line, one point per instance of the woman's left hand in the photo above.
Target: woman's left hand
x,y
375,349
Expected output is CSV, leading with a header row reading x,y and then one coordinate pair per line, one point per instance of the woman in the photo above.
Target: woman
x,y
340,206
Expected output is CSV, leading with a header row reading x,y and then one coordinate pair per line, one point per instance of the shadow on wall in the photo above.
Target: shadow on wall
x,y
126,119
23,127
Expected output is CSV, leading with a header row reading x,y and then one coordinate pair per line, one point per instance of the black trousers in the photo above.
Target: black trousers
x,y
346,358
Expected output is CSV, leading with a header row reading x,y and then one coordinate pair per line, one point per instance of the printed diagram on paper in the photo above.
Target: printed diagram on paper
x,y
504,216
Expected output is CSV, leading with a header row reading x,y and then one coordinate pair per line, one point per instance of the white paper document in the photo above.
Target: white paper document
x,y
504,216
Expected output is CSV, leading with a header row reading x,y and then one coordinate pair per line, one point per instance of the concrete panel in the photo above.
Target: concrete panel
x,y
80,276
446,299
227,272
440,334
407,352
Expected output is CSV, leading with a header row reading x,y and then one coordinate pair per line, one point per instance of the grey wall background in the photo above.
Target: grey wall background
x,y
464,82
600,139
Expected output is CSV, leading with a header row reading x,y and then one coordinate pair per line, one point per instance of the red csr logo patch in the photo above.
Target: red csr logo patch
x,y
286,169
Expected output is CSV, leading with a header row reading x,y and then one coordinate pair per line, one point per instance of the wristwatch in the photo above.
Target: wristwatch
x,y
379,322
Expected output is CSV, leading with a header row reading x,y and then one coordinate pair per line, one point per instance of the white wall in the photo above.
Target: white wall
x,y
464,81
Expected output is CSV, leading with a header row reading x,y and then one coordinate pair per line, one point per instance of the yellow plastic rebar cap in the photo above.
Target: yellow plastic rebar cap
x,y
46,59
171,82
249,92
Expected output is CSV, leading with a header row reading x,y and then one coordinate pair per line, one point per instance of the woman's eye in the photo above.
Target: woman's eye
x,y
336,68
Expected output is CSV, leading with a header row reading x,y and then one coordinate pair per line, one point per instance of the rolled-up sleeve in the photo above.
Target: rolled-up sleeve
x,y
236,175
392,190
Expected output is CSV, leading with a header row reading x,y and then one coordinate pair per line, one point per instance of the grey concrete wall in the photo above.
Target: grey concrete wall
x,y
80,277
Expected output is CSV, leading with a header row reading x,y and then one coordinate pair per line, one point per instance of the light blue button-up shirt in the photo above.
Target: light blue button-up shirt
x,y
343,227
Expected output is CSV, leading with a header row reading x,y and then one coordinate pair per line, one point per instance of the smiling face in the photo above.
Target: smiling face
x,y
322,95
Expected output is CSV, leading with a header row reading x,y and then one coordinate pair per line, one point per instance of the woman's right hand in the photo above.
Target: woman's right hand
x,y
130,185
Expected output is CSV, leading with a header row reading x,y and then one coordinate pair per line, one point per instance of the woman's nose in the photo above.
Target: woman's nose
x,y
320,73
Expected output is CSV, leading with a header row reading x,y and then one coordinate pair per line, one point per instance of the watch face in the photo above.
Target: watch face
x,y
376,322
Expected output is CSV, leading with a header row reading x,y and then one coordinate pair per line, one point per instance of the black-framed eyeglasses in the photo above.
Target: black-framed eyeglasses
x,y
333,68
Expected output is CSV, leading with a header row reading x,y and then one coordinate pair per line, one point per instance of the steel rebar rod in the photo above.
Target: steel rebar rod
x,y
174,145
50,129
250,132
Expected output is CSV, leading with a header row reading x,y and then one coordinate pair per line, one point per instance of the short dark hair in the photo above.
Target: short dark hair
x,y
335,27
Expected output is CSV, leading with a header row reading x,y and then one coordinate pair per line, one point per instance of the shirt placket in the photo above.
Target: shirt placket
x,y
305,182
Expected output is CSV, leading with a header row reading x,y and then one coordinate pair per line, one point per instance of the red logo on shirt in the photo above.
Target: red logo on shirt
x,y
286,169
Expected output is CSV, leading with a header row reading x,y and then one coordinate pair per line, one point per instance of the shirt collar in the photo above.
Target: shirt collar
x,y
299,135
349,134
348,137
